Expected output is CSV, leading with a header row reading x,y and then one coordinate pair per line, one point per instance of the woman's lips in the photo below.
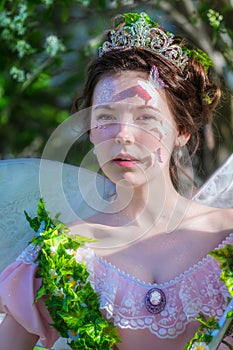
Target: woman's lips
x,y
125,161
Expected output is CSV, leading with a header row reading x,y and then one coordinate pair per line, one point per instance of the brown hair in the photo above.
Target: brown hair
x,y
192,97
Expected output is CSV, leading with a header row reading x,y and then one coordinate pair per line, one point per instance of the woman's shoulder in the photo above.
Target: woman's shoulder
x,y
211,225
88,227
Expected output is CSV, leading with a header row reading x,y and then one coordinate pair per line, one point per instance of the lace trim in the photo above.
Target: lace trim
x,y
196,290
122,295
124,300
176,279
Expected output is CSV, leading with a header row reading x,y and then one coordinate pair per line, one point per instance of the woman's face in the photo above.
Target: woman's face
x,y
132,127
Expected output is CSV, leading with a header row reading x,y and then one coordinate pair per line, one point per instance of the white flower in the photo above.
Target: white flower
x,y
4,19
23,48
53,249
53,45
60,293
17,74
53,273
200,345
47,2
71,252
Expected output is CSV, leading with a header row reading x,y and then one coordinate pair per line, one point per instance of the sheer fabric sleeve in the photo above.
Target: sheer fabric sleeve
x,y
18,287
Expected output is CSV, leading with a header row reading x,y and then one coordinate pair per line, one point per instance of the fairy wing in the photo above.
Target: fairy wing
x,y
66,189
218,190
75,192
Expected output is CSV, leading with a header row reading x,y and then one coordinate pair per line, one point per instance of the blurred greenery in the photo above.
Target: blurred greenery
x,y
45,48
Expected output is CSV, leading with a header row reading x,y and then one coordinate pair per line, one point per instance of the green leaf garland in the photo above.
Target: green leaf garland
x,y
68,295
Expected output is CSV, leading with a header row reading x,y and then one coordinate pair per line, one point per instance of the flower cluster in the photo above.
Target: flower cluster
x,y
53,46
17,24
215,19
17,74
14,26
68,295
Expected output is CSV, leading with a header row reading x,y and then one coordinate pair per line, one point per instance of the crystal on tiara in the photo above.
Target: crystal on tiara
x,y
144,34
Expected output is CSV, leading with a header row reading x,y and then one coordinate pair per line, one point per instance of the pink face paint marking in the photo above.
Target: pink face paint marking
x,y
161,129
99,126
155,79
136,90
159,155
156,157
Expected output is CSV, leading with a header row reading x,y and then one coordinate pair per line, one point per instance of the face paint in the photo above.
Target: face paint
x,y
154,82
160,129
99,126
155,79
132,92
129,102
105,93
156,157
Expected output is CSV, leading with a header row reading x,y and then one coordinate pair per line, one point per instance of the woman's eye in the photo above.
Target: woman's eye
x,y
146,117
106,117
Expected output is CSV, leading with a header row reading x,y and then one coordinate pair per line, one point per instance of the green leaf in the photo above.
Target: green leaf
x,y
199,56
68,295
131,18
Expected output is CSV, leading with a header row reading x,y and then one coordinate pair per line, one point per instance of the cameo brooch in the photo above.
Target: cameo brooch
x,y
155,300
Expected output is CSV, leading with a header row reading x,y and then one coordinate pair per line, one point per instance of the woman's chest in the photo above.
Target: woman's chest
x,y
164,310
162,258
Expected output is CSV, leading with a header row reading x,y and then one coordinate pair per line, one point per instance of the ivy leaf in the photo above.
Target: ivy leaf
x,y
208,323
225,257
199,56
68,295
203,332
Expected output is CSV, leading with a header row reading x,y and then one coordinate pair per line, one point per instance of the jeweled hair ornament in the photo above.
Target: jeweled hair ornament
x,y
139,31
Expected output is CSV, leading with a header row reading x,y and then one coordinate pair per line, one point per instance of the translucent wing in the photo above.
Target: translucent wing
x,y
75,192
218,190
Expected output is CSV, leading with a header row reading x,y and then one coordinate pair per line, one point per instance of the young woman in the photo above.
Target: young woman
x,y
149,97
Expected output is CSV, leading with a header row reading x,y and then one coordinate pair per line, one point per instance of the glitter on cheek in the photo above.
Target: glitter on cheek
x,y
100,126
101,132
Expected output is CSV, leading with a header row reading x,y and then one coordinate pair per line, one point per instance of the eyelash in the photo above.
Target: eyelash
x,y
106,117
146,117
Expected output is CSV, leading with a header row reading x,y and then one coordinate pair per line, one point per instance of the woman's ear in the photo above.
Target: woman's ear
x,y
182,137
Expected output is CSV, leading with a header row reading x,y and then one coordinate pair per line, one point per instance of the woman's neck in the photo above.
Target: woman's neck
x,y
145,205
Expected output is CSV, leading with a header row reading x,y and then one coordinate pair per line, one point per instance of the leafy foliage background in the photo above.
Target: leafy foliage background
x,y
45,47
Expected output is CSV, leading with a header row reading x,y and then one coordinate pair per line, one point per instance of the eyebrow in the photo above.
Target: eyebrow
x,y
107,106
103,107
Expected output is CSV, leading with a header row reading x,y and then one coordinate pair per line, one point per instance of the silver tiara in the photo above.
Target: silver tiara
x,y
142,34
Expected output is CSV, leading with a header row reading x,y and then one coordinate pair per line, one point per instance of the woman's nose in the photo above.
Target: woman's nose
x,y
125,135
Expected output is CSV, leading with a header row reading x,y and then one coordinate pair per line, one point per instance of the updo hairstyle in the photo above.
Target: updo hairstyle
x,y
191,96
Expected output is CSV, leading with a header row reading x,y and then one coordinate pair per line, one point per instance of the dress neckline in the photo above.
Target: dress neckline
x,y
174,280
